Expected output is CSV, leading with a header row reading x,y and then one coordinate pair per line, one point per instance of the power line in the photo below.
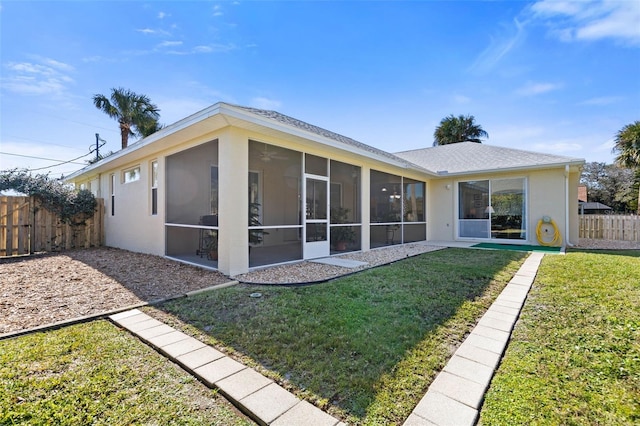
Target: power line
x,y
42,142
42,158
48,159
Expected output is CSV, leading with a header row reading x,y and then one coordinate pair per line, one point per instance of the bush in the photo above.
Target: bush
x,y
54,195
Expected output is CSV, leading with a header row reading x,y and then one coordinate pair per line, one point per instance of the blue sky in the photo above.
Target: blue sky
x,y
548,76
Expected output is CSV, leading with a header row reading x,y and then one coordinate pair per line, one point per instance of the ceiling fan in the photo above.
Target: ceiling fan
x,y
267,155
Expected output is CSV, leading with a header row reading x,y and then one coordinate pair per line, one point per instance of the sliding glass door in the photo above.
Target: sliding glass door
x,y
492,209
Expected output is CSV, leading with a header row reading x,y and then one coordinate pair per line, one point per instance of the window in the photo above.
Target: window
x,y
397,210
131,175
112,191
492,209
154,187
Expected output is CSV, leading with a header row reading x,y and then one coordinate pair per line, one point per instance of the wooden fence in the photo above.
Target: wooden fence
x,y
610,227
26,227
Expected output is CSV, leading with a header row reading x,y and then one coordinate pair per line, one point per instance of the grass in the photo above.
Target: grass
x,y
574,357
364,347
94,373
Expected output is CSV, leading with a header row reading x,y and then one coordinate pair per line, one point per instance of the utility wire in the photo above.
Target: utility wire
x,y
42,158
42,142
49,159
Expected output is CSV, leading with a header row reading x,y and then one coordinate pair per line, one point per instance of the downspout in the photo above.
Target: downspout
x,y
567,243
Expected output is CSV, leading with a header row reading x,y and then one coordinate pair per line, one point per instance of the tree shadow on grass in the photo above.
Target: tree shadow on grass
x,y
362,346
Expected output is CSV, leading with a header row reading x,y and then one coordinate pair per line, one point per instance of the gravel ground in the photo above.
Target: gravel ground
x,y
306,272
46,289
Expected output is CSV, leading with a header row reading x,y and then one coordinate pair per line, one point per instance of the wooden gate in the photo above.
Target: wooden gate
x,y
26,227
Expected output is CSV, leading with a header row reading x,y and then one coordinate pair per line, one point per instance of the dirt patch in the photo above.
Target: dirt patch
x,y
46,289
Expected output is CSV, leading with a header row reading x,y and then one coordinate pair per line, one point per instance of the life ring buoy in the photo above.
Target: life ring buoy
x,y
557,238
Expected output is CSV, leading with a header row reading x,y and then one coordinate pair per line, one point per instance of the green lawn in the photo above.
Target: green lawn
x,y
574,357
364,347
95,373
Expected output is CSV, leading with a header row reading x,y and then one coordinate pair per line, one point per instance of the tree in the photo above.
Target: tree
x,y
611,185
135,113
627,150
458,129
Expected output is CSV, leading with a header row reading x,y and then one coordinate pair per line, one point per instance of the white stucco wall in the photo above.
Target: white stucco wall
x,y
545,197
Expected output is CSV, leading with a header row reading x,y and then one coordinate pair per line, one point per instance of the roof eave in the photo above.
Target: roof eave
x,y
570,162
138,145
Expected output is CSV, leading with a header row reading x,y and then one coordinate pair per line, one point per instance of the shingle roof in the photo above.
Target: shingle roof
x,y
294,122
592,205
468,157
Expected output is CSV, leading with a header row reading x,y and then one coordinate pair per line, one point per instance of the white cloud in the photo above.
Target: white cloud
x,y
45,78
533,89
601,101
170,43
217,10
162,15
499,47
591,20
265,103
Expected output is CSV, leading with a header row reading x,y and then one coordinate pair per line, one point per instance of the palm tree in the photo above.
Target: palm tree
x,y
135,113
627,148
458,129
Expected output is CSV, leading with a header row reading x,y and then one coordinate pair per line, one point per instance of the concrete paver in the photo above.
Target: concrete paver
x,y
199,357
155,331
458,388
243,383
444,411
304,413
456,394
181,347
270,402
218,370
454,397
167,339
492,333
469,370
481,356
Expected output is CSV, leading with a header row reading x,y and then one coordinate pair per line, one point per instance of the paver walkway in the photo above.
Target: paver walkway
x,y
454,397
456,394
257,396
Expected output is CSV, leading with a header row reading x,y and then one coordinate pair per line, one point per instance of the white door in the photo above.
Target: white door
x,y
316,226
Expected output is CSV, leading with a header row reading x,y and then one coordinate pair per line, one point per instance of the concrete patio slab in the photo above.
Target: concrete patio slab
x,y
199,357
243,383
304,413
462,390
218,370
270,402
444,411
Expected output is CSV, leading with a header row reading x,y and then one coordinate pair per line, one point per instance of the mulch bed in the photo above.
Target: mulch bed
x,y
45,289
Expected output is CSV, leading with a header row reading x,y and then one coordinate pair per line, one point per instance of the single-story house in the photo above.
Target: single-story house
x,y
263,188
